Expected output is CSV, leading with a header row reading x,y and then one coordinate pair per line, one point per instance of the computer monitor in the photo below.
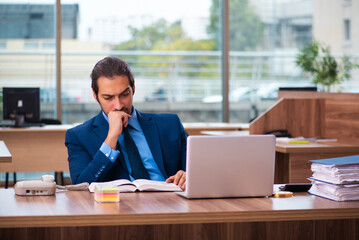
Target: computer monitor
x,y
310,89
21,105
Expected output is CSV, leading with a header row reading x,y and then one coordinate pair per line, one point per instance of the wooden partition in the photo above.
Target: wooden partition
x,y
310,114
300,117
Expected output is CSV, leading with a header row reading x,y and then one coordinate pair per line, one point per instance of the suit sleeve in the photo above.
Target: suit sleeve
x,y
183,147
86,166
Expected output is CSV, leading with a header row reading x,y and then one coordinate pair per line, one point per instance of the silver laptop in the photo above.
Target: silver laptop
x,y
229,166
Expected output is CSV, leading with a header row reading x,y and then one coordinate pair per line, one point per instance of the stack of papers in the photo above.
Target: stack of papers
x,y
336,178
336,192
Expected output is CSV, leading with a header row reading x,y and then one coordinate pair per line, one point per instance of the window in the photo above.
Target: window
x,y
175,61
31,45
263,38
50,45
347,30
173,47
36,16
24,26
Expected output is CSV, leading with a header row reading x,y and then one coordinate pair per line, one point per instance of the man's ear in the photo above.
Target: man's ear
x,y
95,96
133,90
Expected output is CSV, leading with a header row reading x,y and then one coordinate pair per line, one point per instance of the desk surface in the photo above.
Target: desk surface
x,y
197,128
282,147
197,125
5,155
323,147
47,128
234,126
78,208
25,142
226,133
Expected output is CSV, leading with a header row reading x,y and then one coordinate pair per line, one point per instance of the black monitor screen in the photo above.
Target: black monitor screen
x,y
313,89
21,104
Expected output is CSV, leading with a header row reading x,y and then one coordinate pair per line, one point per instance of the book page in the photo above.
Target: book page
x,y
116,183
150,185
125,185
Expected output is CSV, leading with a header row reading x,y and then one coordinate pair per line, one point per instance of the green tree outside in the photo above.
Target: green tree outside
x,y
163,36
246,33
245,26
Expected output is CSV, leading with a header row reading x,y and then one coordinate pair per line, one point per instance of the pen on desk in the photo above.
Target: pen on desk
x,y
298,141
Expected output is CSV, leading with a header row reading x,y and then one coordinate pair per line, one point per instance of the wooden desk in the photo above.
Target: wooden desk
x,y
43,149
292,164
5,155
225,133
40,149
35,149
197,128
75,215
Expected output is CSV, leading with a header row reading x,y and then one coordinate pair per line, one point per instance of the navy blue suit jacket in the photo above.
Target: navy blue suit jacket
x,y
164,133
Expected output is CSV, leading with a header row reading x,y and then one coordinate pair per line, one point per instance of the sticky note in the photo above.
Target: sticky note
x,y
109,194
298,141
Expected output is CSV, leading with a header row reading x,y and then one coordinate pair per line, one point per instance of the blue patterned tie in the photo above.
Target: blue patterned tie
x,y
138,170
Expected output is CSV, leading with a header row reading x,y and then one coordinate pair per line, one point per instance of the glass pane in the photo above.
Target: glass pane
x,y
26,29
266,36
334,27
174,57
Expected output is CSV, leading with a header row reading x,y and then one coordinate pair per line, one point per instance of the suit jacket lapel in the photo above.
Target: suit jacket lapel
x,y
153,139
100,126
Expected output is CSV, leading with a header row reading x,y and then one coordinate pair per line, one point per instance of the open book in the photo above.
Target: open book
x,y
125,185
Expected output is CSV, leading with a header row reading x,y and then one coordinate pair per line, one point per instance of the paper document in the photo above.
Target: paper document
x,y
125,185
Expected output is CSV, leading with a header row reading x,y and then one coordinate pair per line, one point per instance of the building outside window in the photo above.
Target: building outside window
x,y
174,49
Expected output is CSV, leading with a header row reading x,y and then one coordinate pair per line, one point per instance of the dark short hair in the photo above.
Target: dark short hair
x,y
110,67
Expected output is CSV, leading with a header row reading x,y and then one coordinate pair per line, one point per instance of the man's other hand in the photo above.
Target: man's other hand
x,y
179,179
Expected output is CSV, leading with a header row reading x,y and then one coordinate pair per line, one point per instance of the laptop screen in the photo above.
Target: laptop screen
x,y
230,166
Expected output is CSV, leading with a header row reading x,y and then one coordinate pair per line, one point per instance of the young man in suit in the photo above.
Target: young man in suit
x,y
101,149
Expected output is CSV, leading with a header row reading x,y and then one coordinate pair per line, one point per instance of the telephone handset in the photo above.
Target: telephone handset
x,y
43,187
279,133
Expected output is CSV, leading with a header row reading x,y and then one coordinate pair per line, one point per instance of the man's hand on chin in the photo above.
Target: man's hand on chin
x,y
179,179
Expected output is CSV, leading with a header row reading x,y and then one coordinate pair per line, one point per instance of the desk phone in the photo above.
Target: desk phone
x,y
43,187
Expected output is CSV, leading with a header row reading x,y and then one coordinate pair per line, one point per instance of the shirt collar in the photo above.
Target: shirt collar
x,y
133,121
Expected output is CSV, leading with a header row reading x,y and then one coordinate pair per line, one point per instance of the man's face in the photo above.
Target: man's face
x,y
114,94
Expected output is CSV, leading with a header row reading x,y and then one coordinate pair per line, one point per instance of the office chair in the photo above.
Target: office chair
x,y
50,121
7,179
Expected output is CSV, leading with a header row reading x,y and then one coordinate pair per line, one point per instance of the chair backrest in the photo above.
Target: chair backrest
x,y
51,121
